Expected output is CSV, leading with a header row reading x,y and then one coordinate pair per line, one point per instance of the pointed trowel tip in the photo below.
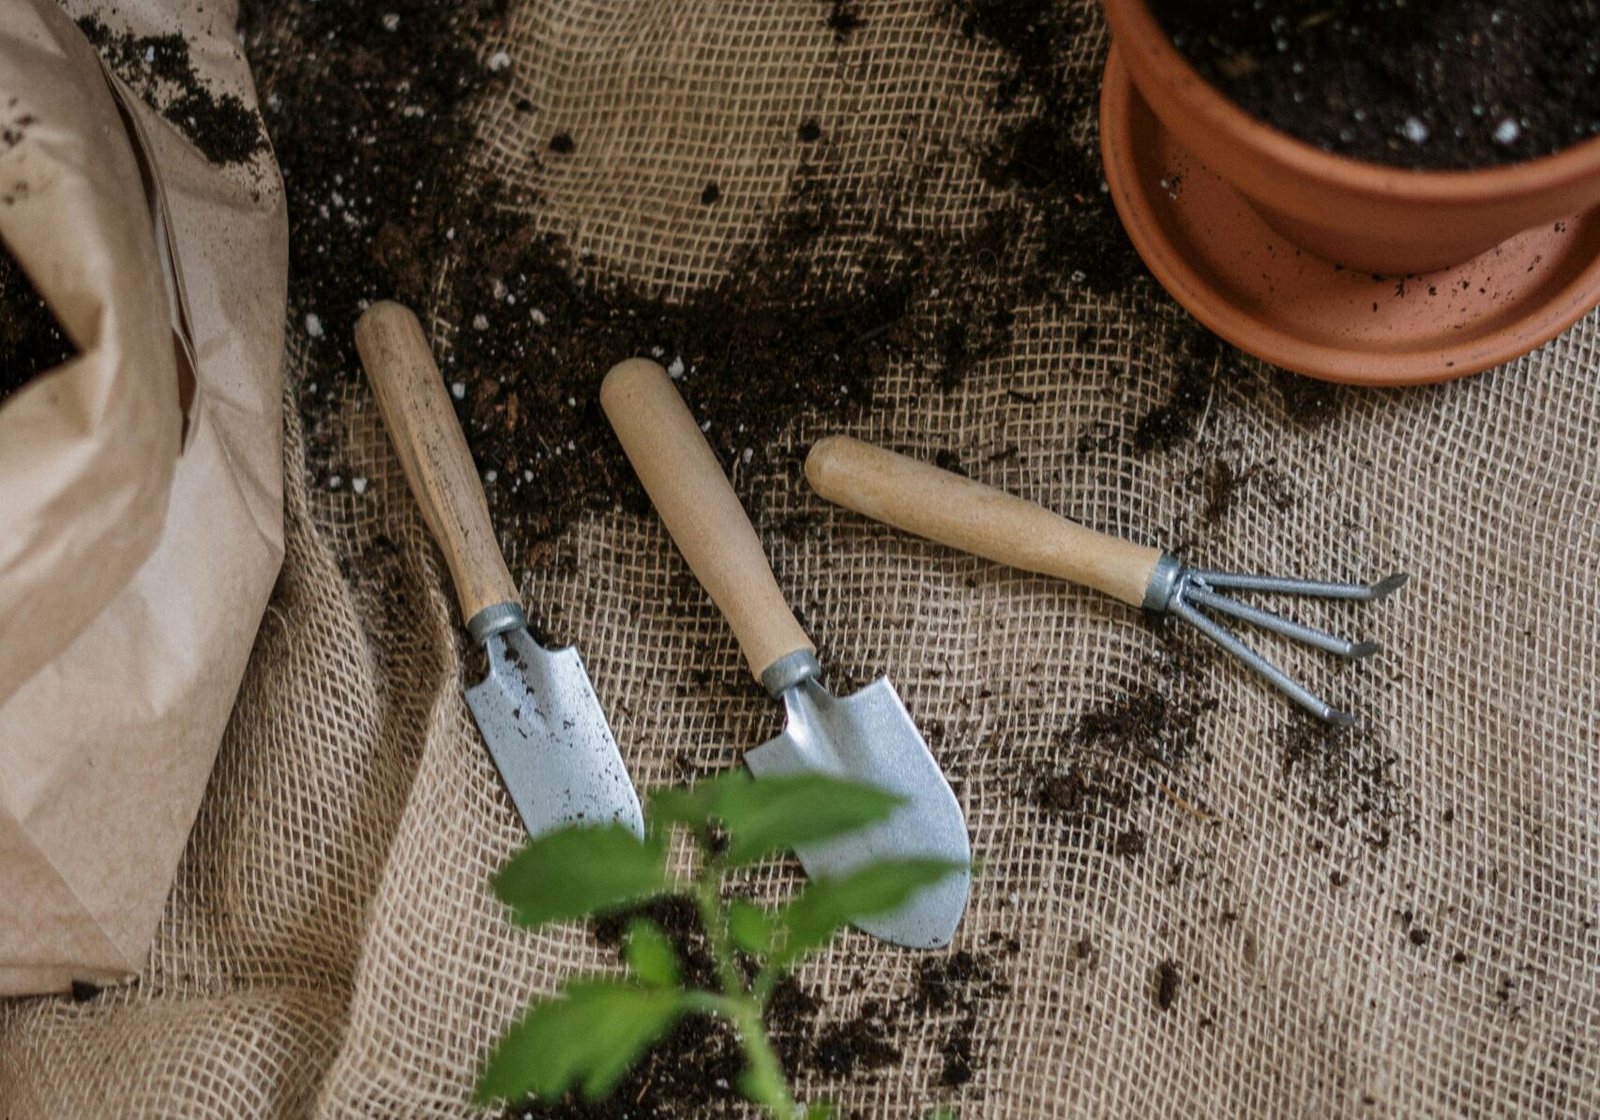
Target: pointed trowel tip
x,y
929,920
633,818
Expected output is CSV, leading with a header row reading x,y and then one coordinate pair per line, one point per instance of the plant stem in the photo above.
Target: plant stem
x,y
764,1082
708,897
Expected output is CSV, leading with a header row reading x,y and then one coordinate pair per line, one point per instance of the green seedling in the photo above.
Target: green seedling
x,y
587,1036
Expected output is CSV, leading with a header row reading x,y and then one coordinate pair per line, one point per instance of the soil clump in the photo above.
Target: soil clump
x,y
1348,777
31,341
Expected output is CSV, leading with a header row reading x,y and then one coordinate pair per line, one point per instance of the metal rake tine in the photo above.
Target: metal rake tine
x,y
1311,588
1310,635
1281,680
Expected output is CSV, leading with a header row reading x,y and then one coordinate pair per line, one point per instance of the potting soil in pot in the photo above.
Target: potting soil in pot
x,y
1192,900
1451,85
31,341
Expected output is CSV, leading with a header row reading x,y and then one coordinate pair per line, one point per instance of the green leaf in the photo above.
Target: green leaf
x,y
694,806
823,1111
878,888
750,927
773,814
579,870
780,814
588,1036
652,956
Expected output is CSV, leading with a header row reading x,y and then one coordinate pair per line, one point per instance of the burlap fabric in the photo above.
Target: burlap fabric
x,y
1403,925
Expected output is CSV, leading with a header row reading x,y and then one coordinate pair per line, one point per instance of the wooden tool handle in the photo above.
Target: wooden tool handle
x,y
700,509
944,507
423,427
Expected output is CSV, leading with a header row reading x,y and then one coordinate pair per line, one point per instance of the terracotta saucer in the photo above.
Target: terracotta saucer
x,y
1231,271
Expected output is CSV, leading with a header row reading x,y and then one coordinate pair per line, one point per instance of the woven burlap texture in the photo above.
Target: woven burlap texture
x,y
1406,927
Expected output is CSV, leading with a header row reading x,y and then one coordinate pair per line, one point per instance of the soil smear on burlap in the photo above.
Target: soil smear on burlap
x,y
1458,85
370,111
31,341
1115,754
1347,776
694,1070
1064,231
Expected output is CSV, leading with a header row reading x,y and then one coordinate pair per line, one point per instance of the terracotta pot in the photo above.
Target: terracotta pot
x,y
1363,215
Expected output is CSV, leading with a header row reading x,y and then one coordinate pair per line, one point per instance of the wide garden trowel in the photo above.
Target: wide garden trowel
x,y
538,713
868,737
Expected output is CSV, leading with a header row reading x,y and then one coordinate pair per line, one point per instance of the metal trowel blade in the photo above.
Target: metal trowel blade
x,y
869,737
549,738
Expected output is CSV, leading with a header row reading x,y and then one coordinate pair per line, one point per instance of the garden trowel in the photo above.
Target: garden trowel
x,y
868,737
537,710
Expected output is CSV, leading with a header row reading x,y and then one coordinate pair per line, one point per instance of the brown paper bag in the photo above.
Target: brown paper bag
x,y
140,483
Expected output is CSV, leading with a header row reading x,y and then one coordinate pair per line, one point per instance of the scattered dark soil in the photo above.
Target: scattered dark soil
x,y
1346,775
371,114
959,986
160,69
1058,223
1465,84
1168,979
31,341
844,16
1130,843
679,919
1114,756
695,1069
1058,220
1307,401
1223,483
861,1043
1162,724
1081,793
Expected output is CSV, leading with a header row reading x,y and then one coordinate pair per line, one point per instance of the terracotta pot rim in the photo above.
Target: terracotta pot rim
x,y
1245,328
1151,57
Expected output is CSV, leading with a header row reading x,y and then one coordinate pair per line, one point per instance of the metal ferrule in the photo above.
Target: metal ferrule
x,y
1163,583
495,620
789,670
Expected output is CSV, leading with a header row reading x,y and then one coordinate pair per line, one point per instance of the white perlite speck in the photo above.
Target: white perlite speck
x,y
391,20
675,370
314,326
498,61
1507,131
458,390
480,322
1414,130
359,485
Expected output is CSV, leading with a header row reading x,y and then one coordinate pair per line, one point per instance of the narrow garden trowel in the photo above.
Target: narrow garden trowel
x,y
538,712
868,736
